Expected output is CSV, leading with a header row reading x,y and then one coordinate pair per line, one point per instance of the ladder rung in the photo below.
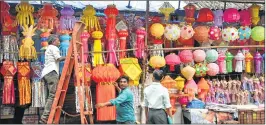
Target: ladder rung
x,y
63,90
88,113
58,107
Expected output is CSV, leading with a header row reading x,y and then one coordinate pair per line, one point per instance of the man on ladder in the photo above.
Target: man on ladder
x,y
50,73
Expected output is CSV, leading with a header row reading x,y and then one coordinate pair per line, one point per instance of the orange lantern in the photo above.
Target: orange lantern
x,y
168,82
201,34
157,62
248,59
203,88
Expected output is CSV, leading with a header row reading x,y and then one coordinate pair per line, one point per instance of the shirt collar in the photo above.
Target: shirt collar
x,y
156,83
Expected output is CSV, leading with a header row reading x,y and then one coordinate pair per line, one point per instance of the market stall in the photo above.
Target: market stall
x,y
212,53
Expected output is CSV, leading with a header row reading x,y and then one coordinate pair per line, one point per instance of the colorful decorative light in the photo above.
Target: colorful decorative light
x,y
254,11
157,62
229,64
27,50
201,34
90,20
218,18
168,82
248,59
97,47
186,56
239,57
187,32
245,18
211,55
231,15
131,68
8,22
67,20
24,85
166,9
257,33
157,30
258,62
84,39
172,32
122,39
4,11
180,83
213,69
188,72
105,74
48,19
244,33
189,14
172,60
203,89
214,33
201,69
222,62
25,14
191,89
64,45
230,34
199,55
140,42
205,15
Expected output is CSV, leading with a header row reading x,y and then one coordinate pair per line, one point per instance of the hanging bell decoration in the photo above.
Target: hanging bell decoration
x,y
166,9
90,20
172,60
255,10
141,32
248,59
180,83
157,62
189,14
25,14
67,20
48,19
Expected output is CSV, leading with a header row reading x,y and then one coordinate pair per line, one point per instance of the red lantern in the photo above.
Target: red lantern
x,y
4,11
189,12
205,15
172,60
48,19
186,56
183,100
186,42
105,74
122,37
140,42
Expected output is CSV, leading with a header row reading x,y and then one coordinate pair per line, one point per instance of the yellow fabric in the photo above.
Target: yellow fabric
x,y
131,68
24,91
97,59
27,50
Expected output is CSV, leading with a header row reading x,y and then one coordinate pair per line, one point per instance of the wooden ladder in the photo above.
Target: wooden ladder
x,y
74,59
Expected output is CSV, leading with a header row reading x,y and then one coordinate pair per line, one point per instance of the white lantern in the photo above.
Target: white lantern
x,y
172,32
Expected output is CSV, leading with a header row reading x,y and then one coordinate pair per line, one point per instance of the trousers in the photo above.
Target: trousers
x,y
126,122
51,80
157,116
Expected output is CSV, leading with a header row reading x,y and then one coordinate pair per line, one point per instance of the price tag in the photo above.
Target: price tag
x,y
121,25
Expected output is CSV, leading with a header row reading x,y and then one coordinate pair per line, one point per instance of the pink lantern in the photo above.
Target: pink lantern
x,y
172,60
191,89
245,18
141,32
84,39
183,100
199,55
231,15
186,56
214,33
213,69
187,32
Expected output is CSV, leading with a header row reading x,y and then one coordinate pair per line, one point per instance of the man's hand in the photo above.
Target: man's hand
x,y
115,84
100,105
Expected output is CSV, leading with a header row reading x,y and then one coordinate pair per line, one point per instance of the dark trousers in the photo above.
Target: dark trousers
x,y
126,122
51,80
157,116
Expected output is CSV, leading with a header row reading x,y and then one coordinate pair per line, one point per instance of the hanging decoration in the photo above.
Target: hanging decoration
x,y
122,42
4,12
211,55
203,89
67,20
186,42
157,62
231,15
245,18
239,61
25,14
213,69
191,89
258,62
90,20
218,18
27,50
44,37
97,47
140,45
248,64
84,39
24,83
166,9
9,48
214,33
201,34
201,69
255,10
64,44
222,63
180,83
48,19
189,14
172,32
188,72
186,56
157,30
229,64
257,33
244,33
170,84
8,70
205,15
131,68
186,32
172,60
199,55
230,34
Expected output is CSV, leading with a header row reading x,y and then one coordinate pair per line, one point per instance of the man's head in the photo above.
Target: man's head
x,y
53,40
123,82
157,75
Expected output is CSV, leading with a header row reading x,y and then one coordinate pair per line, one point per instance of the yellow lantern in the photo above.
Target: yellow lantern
x,y
89,19
157,62
188,72
157,30
131,68
166,9
254,10
180,83
248,60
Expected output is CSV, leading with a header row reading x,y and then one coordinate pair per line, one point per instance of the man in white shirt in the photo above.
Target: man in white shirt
x,y
157,100
50,73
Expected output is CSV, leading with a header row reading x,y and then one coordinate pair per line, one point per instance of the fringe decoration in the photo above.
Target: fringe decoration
x,y
24,83
10,49
86,103
98,58
158,52
64,45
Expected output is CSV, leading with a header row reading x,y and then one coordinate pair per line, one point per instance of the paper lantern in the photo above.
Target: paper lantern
x,y
4,11
131,68
168,82
97,47
201,69
254,11
248,59
27,50
157,30
141,32
203,88
211,55
25,14
189,14
245,18
188,72
201,34
229,63
67,20
218,18
205,15
122,38
172,32
90,20
239,61
111,12
84,39
48,17
180,83
186,42
191,89
183,100
199,55
230,34
257,33
157,62
231,15
213,69
105,74
244,33
166,9
186,32
172,60
214,33
186,56
222,63
258,62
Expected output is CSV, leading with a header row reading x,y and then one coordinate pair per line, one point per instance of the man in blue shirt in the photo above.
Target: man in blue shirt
x,y
124,103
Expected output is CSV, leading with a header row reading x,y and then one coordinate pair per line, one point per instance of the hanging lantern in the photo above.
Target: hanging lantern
x,y
230,34
231,15
201,69
199,55
64,45
97,47
244,33
188,72
203,89
183,100
191,89
157,62
213,69
189,14
166,9
105,74
123,39
4,11
44,37
258,62
180,83
172,102
239,61
257,33
90,20
25,14
201,34
186,32
84,39
254,11
248,59
211,55
131,68
140,42
186,56
27,50
67,20
172,32
205,15
48,19
218,18
157,30
168,83
172,60
222,63
186,42
214,33
229,63
245,18
24,84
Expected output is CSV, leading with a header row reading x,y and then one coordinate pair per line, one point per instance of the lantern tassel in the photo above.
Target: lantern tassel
x,y
112,54
8,91
122,47
97,47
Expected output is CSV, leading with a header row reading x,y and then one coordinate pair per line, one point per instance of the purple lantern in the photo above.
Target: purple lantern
x,y
258,61
67,20
218,18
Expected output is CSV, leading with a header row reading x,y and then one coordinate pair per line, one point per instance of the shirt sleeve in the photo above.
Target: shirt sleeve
x,y
56,53
120,99
146,103
166,100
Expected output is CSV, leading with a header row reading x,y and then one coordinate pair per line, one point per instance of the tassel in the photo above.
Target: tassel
x,y
24,83
27,50
64,45
123,39
97,47
239,61
90,20
112,54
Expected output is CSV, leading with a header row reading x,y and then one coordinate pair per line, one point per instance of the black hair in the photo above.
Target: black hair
x,y
158,75
124,77
52,38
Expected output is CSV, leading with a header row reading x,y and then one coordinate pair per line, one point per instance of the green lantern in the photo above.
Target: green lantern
x,y
201,69
211,56
257,33
229,64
